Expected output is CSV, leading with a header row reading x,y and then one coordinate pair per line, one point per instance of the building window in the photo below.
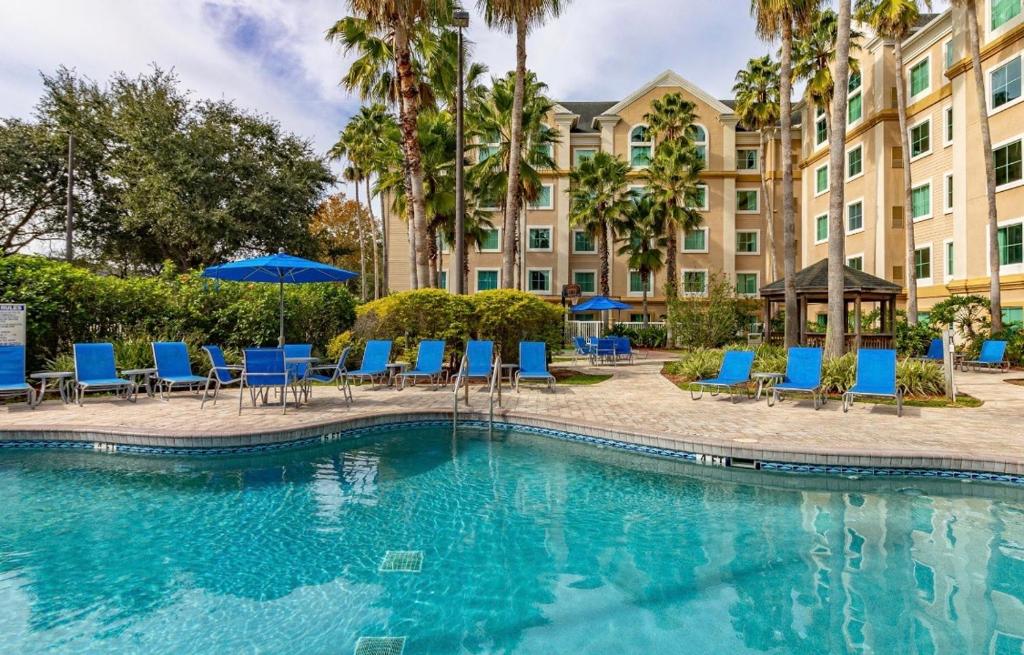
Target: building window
x,y
854,107
442,280
746,159
921,202
855,162
821,180
636,283
1008,163
490,240
490,147
856,263
486,279
695,283
583,242
1005,82
947,116
539,280
1011,244
640,147
948,193
920,77
1013,315
544,198
746,284
820,127
855,217
696,240
747,242
580,155
921,139
950,260
947,52
539,238
699,200
587,281
747,201
1003,11
821,228
923,263
546,151
699,138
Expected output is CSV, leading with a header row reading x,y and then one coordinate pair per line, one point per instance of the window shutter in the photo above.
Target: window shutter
x,y
897,217
893,100
897,157
897,274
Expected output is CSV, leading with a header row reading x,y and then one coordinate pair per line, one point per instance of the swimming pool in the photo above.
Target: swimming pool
x,y
517,544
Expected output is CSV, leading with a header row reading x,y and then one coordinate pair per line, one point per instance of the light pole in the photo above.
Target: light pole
x,y
460,19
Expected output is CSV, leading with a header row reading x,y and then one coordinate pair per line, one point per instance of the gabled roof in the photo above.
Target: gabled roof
x,y
814,279
586,112
671,78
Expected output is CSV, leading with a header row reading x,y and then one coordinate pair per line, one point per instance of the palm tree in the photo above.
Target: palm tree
x,y
757,105
781,19
670,119
598,193
970,9
642,230
354,175
815,57
518,17
355,145
835,338
893,19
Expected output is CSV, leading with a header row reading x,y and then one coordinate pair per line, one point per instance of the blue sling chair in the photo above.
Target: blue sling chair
x,y
735,372
221,373
429,364
299,370
993,356
876,376
803,375
478,364
333,373
374,366
265,369
12,374
173,368
95,371
533,363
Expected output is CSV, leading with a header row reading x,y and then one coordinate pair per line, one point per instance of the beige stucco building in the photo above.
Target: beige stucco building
x,y
947,170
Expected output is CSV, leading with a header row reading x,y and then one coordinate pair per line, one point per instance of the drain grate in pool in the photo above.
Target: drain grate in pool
x,y
402,561
380,646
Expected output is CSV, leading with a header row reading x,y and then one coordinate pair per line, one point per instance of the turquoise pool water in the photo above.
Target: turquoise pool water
x,y
529,545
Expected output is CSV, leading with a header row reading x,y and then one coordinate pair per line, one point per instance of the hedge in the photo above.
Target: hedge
x,y
68,304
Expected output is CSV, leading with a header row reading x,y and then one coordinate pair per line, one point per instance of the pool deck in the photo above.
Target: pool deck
x,y
637,405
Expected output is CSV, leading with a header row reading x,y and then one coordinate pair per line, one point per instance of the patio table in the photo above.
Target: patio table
x,y
140,376
763,379
62,379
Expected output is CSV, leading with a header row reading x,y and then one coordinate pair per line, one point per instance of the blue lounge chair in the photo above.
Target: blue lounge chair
x,y
876,376
265,369
479,360
533,363
173,368
803,375
299,369
429,364
735,372
604,350
624,349
581,349
333,373
221,373
12,374
993,355
374,366
934,353
95,371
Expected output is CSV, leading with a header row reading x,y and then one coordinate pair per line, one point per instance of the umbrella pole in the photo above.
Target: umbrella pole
x,y
280,304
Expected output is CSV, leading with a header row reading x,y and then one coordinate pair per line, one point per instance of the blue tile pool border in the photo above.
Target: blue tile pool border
x,y
564,435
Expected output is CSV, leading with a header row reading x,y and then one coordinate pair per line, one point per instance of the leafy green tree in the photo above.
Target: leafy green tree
x,y
598,193
641,228
33,180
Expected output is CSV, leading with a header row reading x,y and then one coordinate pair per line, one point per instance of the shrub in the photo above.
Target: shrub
x,y
699,364
967,316
507,317
918,378
652,336
913,340
839,373
770,359
711,321
1013,335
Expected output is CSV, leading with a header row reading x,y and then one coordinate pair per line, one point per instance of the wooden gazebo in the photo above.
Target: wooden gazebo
x,y
858,288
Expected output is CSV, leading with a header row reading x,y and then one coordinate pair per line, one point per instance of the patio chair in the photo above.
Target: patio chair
x,y
993,356
221,373
624,349
479,360
604,350
265,369
95,371
735,372
299,370
429,364
876,376
581,349
333,373
803,375
533,363
12,374
173,368
374,366
934,353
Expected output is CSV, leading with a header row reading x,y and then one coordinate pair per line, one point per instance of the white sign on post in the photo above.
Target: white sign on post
x,y
12,324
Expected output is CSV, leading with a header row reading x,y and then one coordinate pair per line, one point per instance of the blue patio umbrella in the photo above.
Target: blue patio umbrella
x,y
281,268
599,304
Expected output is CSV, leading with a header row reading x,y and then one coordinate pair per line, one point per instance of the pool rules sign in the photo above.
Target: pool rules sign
x,y
12,324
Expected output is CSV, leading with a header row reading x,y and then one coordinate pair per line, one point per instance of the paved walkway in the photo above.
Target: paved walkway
x,y
637,404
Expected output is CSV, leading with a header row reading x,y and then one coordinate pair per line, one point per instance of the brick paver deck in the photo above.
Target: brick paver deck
x,y
637,404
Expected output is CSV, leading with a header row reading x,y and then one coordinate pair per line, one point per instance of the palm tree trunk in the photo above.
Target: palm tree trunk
x,y
362,246
411,142
384,246
645,276
413,274
671,257
792,337
769,203
433,256
605,272
514,155
373,241
995,294
908,213
414,278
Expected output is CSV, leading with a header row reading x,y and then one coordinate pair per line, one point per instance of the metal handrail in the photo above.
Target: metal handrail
x,y
495,379
458,381
494,386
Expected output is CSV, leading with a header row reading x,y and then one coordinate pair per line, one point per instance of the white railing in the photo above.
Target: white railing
x,y
636,325
585,329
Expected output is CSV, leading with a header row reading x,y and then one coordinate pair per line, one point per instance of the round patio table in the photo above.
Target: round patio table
x,y
139,377
394,370
507,371
62,379
763,379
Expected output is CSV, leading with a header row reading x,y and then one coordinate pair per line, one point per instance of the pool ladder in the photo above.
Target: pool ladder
x,y
494,389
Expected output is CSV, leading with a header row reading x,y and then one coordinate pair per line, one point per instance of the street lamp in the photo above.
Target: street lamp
x,y
460,19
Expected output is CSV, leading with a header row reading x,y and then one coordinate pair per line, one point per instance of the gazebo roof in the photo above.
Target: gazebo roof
x,y
813,280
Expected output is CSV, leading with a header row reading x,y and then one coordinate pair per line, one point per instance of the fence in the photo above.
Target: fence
x,y
587,329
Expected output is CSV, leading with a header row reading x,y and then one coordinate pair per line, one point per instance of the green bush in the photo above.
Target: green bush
x,y
918,378
507,317
913,340
68,304
839,373
770,359
699,364
652,336
711,321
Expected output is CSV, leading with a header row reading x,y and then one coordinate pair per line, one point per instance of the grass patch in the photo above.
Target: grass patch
x,y
575,378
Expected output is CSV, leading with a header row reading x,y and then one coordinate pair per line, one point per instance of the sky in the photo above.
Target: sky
x,y
269,56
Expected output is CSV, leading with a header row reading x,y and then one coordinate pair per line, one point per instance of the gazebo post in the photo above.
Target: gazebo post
x,y
892,322
857,308
803,320
767,320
